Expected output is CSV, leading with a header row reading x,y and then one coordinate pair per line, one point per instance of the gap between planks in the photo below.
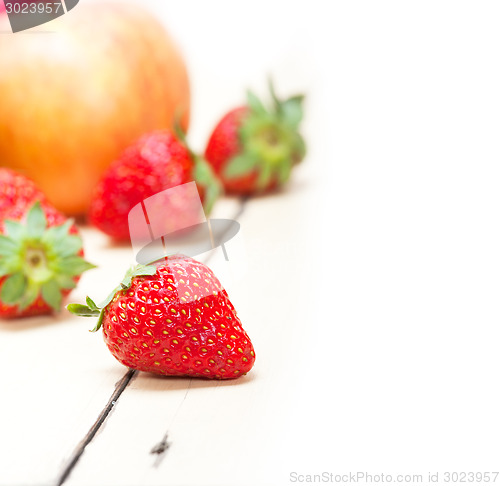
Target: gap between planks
x,y
77,453
161,447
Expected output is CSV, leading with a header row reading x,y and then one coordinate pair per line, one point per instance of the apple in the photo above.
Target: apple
x,y
82,89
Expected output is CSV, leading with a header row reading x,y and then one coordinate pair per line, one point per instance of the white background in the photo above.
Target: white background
x,y
396,361
374,296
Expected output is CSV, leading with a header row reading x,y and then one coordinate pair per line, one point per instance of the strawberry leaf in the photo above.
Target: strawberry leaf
x,y
36,221
13,288
299,148
291,111
92,310
284,173
255,104
7,267
143,270
240,165
137,271
57,233
99,322
51,294
275,99
30,295
264,177
205,176
65,282
82,310
92,305
68,246
39,262
203,173
8,246
73,265
179,132
14,229
109,298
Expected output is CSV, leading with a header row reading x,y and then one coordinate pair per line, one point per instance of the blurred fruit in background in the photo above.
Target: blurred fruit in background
x,y
41,253
155,162
74,99
254,148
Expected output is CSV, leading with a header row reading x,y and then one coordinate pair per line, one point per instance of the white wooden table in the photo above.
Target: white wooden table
x,y
371,291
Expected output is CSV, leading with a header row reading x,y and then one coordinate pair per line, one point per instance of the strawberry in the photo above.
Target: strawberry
x,y
173,318
253,149
40,250
156,162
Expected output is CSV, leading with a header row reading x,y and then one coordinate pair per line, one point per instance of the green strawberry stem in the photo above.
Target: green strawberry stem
x,y
204,175
93,310
39,261
270,141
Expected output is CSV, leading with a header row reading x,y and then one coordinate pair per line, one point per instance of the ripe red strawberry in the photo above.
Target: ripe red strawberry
x,y
156,162
253,149
173,318
40,250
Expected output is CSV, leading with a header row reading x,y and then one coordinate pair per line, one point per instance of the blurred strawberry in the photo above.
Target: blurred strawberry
x,y
253,149
40,250
156,162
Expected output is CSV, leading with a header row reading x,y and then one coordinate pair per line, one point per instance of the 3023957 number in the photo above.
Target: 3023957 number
x,y
33,7
470,477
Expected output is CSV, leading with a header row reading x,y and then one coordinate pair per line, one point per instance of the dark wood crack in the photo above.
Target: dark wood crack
x,y
80,449
161,447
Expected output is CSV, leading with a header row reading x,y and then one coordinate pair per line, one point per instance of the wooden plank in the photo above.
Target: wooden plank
x,y
352,352
376,317
62,375
58,381
224,425
367,340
